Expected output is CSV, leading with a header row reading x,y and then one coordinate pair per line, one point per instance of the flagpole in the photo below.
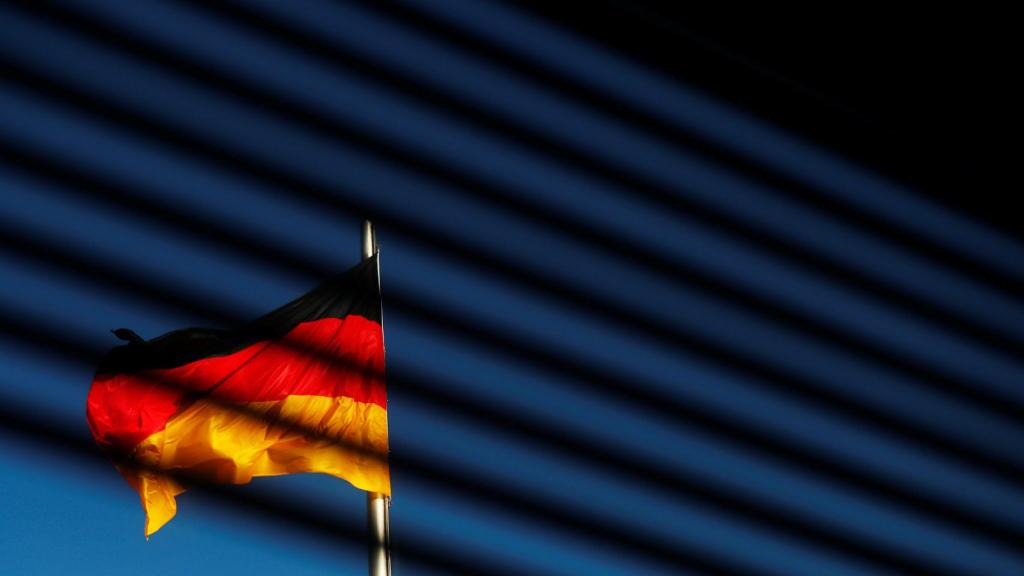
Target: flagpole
x,y
378,513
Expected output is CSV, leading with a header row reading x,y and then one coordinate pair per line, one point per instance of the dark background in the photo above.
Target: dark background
x,y
925,95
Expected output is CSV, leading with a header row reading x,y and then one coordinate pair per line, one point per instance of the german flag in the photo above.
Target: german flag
x,y
299,390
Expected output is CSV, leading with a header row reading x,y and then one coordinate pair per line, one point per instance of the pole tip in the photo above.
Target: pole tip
x,y
369,240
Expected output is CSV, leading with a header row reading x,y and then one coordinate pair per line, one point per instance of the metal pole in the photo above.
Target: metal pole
x,y
378,516
378,513
369,240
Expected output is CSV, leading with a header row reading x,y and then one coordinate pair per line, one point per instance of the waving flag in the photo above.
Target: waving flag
x,y
299,390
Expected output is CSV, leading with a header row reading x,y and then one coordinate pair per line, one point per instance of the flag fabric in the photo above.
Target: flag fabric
x,y
299,390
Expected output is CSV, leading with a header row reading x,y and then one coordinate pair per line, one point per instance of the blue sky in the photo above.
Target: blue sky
x,y
511,240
